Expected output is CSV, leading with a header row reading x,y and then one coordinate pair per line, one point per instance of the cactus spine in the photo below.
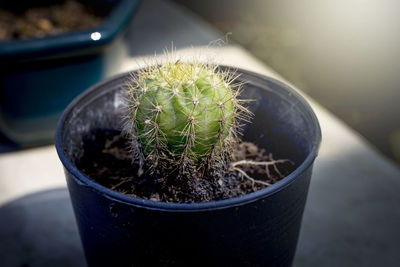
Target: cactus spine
x,y
183,111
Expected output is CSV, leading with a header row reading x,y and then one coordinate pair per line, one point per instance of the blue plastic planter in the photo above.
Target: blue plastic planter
x,y
39,77
258,229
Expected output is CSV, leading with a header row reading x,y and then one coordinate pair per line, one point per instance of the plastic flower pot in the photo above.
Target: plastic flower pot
x,y
257,229
39,77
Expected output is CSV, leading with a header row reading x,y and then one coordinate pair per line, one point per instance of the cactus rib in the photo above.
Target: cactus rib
x,y
183,111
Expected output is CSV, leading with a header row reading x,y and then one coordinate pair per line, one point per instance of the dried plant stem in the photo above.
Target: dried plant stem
x,y
258,163
123,181
250,178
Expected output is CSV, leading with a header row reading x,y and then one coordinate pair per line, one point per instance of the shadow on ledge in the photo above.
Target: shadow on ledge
x,y
40,230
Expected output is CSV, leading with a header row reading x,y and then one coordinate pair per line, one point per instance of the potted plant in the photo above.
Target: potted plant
x,y
41,43
187,198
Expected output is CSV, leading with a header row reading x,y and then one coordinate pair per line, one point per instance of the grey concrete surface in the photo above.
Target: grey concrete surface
x,y
40,230
352,214
160,24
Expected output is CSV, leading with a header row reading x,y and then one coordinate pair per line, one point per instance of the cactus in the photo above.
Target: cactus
x,y
183,112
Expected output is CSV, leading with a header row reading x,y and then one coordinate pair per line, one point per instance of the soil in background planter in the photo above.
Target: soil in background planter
x,y
54,19
107,160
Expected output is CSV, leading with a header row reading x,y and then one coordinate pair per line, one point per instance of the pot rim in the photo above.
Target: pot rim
x,y
197,206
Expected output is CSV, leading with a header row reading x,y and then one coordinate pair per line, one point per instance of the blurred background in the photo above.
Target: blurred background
x,y
344,54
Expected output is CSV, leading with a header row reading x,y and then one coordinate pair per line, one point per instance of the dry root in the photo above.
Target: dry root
x,y
267,164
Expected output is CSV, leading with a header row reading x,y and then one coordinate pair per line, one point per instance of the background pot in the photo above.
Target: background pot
x,y
258,229
39,77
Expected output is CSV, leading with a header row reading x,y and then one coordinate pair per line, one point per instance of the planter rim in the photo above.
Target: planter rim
x,y
82,179
70,42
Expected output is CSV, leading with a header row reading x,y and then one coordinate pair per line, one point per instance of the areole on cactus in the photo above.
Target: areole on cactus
x,y
184,111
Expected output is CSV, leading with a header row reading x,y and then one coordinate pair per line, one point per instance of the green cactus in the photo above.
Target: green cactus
x,y
181,111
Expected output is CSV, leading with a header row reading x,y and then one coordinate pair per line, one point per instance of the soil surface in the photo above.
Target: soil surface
x,y
54,19
107,160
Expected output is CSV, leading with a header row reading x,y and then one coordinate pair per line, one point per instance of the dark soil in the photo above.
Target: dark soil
x,y
107,160
54,19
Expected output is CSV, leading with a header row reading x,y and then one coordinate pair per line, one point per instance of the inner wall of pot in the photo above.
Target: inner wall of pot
x,y
102,107
282,123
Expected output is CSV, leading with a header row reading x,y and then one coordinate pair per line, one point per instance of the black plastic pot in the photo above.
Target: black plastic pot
x,y
258,229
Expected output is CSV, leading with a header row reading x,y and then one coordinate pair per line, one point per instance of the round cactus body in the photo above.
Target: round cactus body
x,y
182,110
